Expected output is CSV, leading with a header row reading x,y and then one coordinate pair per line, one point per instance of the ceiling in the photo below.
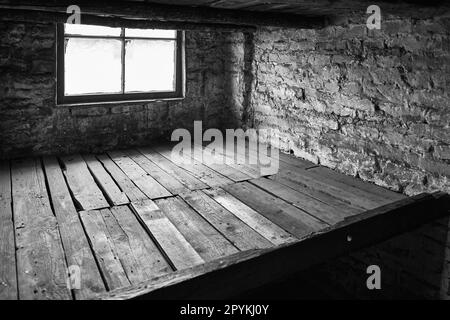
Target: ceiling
x,y
213,13
317,7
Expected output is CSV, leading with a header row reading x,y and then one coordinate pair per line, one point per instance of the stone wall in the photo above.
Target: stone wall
x,y
32,124
372,104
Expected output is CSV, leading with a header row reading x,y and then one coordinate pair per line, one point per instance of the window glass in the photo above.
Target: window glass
x,y
151,33
150,65
87,30
92,66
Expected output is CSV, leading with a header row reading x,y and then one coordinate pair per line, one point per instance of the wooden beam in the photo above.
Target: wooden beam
x,y
238,273
43,17
408,8
168,13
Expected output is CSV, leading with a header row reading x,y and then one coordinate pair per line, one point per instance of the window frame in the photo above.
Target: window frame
x,y
62,99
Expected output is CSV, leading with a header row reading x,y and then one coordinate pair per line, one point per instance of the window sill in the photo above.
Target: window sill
x,y
87,104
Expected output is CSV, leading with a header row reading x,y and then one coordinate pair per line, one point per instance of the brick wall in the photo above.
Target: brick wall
x,y
32,124
372,104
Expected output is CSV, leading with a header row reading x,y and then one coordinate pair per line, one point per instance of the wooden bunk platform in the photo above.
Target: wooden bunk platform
x,y
135,224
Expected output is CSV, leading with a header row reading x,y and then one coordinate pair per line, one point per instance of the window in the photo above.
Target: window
x,y
104,64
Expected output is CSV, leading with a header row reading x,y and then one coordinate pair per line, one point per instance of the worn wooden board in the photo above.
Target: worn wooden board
x,y
238,273
182,175
314,207
217,163
166,180
84,189
105,251
364,198
137,252
144,181
330,174
197,169
240,234
174,244
257,222
76,246
338,190
339,204
269,158
203,237
285,157
104,180
258,156
296,161
41,264
285,215
250,170
131,190
8,276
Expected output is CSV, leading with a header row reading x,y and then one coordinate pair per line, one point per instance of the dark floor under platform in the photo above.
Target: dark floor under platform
x,y
134,223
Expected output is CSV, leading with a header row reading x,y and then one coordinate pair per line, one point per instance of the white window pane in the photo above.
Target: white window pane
x,y
150,65
88,30
151,33
92,66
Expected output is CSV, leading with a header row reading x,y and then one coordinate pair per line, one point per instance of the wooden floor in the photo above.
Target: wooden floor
x,y
121,219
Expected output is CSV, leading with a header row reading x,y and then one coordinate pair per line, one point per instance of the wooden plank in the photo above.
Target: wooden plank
x,y
236,231
176,247
257,222
314,207
41,265
255,159
352,195
250,170
149,186
133,193
104,180
203,237
316,194
285,159
166,180
357,183
374,197
8,276
76,246
296,161
275,155
104,249
236,274
184,177
84,189
198,170
217,164
137,252
285,215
